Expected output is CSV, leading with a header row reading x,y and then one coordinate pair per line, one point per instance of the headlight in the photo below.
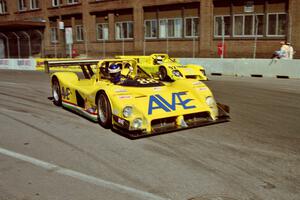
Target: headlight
x,y
137,123
127,111
203,72
176,73
210,101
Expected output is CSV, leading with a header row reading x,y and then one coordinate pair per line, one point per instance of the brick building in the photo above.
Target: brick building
x,y
183,28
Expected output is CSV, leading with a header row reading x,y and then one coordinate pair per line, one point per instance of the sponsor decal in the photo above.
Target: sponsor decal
x,y
125,97
158,102
120,90
121,121
188,70
144,81
203,88
23,63
157,89
197,83
3,62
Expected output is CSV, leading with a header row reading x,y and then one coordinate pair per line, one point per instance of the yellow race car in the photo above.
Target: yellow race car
x,y
118,94
168,69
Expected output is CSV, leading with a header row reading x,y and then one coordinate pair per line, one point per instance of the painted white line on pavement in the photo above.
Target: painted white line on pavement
x,y
81,176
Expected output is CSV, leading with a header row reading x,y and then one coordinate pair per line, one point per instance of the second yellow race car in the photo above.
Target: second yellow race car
x,y
120,95
168,69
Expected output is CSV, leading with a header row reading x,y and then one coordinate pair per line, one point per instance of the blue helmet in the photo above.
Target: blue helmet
x,y
114,71
114,68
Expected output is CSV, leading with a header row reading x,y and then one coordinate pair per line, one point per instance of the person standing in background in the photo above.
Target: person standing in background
x,y
284,50
290,51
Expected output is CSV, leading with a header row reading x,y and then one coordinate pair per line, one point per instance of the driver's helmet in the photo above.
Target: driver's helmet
x,y
159,60
114,71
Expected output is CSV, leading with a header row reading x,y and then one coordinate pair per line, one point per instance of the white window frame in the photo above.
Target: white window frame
x,y
243,31
121,30
151,20
3,7
55,3
70,2
104,36
54,38
167,28
185,27
34,4
215,35
21,5
277,14
80,33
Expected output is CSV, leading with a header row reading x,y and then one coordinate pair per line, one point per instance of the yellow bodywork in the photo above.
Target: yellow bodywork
x,y
152,66
158,105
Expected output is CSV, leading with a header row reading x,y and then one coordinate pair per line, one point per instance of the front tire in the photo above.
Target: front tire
x,y
56,93
163,74
104,111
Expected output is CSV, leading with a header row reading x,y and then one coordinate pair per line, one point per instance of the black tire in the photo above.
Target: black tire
x,y
104,110
56,92
163,74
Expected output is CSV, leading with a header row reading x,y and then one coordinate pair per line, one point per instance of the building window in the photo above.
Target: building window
x,y
72,1
124,30
245,25
102,31
191,27
56,3
276,24
21,5
79,33
218,25
3,7
150,29
53,35
170,28
34,4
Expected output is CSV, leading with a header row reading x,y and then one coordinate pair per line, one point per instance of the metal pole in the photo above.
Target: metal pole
x,y
70,50
255,39
223,37
104,46
86,44
42,42
55,49
193,35
29,42
123,46
18,40
7,44
290,20
144,43
167,34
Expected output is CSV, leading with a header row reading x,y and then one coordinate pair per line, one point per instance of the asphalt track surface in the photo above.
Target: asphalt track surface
x,y
49,153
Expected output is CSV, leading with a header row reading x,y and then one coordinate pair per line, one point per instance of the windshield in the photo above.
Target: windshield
x,y
127,73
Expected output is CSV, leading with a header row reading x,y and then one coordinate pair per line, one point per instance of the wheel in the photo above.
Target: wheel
x,y
163,75
56,93
104,111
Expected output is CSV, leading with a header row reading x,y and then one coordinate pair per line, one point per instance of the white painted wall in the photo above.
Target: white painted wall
x,y
248,67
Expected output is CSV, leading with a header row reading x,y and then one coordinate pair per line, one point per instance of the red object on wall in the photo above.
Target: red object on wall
x,y
74,53
220,49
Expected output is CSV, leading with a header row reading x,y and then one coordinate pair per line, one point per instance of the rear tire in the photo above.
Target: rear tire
x,y
104,111
56,93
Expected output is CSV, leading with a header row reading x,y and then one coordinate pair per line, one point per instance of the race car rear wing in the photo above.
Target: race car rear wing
x,y
67,63
85,65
